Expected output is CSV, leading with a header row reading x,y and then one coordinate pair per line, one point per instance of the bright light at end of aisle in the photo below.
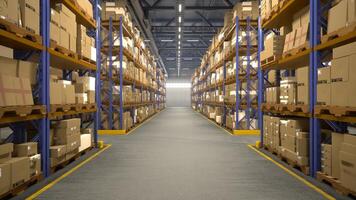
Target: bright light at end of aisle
x,y
178,85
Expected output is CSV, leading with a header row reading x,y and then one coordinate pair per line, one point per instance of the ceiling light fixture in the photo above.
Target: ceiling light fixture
x,y
166,40
179,29
180,7
180,19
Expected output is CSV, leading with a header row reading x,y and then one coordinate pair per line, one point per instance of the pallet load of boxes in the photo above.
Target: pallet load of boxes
x,y
208,82
20,161
287,97
140,90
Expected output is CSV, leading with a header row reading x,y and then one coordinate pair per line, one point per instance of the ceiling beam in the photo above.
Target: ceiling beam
x,y
228,3
169,22
204,18
156,3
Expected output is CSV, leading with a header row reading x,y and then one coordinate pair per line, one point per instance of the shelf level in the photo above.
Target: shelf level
x,y
283,14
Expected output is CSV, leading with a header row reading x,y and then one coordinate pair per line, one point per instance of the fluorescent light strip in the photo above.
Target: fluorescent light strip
x,y
166,40
180,7
192,40
180,19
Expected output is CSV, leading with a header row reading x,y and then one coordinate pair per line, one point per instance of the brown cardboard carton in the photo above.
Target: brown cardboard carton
x,y
79,98
6,151
25,149
302,75
27,70
9,10
326,158
57,151
344,50
324,75
91,96
16,91
324,94
80,88
337,140
303,95
35,165
302,144
5,178
6,52
67,127
348,162
56,96
63,38
337,16
69,94
9,66
30,18
20,170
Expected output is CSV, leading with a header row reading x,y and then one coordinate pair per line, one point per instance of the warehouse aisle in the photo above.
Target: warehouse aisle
x,y
179,155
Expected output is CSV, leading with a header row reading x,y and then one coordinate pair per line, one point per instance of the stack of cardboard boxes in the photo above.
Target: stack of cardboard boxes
x,y
341,15
86,6
66,139
288,137
17,170
84,43
288,91
273,46
24,13
339,159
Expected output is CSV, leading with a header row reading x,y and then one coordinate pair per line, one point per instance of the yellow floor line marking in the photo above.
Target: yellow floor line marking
x,y
301,179
149,119
51,184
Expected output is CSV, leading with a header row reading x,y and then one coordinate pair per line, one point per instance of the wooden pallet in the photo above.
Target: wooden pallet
x,y
54,46
64,108
294,164
269,60
85,59
19,31
21,187
338,111
339,33
273,151
335,183
22,111
296,51
298,108
270,107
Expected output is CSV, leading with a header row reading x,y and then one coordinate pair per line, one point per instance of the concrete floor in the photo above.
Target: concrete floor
x,y
179,155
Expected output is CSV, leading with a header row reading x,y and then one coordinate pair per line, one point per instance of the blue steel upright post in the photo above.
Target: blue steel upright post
x,y
248,77
97,122
44,86
110,113
315,141
237,82
121,75
260,89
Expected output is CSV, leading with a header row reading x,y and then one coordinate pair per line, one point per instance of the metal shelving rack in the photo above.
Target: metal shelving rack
x,y
251,53
108,52
24,48
312,57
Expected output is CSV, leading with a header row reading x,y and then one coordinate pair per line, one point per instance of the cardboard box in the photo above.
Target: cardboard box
x,y
324,94
337,16
69,94
6,52
91,96
16,91
20,170
347,161
56,96
63,38
27,70
9,66
89,82
67,127
303,95
25,149
302,144
6,151
57,151
5,179
326,158
81,98
35,165
80,88
337,140
85,142
343,84
9,10
30,18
